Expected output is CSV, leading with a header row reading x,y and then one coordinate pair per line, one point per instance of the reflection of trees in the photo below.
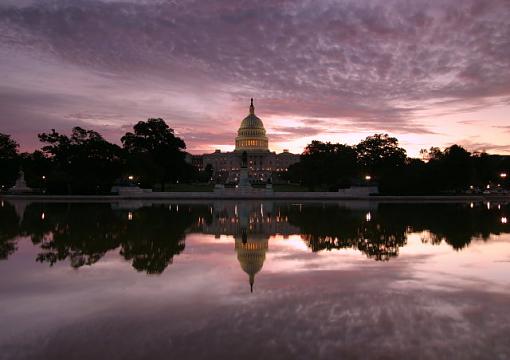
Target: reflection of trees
x,y
155,235
380,242
34,226
333,227
8,230
456,224
84,233
328,227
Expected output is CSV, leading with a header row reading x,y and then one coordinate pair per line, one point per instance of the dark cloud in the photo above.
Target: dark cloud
x,y
288,132
476,146
368,63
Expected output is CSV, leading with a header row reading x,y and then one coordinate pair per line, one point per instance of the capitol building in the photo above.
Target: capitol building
x,y
251,138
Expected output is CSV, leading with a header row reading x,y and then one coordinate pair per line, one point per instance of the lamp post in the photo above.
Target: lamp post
x,y
44,183
503,176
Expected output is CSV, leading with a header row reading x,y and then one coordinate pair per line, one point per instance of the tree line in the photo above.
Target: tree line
x,y
85,163
380,160
152,155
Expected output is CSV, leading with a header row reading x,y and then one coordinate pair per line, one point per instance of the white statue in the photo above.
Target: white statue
x,y
21,185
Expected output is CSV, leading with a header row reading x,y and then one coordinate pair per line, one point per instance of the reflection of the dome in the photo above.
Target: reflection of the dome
x,y
251,238
251,255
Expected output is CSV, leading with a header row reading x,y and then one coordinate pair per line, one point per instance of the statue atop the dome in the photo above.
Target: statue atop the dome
x,y
252,108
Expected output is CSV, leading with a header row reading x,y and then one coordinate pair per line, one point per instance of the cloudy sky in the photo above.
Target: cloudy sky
x,y
433,72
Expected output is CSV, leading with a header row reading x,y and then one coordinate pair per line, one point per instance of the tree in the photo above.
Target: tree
x,y
380,154
451,169
83,163
9,161
488,169
155,154
37,167
411,179
329,164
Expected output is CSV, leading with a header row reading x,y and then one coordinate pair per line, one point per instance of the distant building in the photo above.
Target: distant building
x,y
262,163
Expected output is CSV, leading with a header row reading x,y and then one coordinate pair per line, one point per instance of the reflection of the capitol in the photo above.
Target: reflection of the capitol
x,y
150,234
259,218
251,224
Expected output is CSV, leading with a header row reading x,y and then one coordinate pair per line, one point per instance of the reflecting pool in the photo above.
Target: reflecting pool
x,y
254,280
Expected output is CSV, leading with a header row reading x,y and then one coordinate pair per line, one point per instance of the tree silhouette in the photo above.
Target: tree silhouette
x,y
38,169
8,161
155,154
451,169
332,165
83,163
380,154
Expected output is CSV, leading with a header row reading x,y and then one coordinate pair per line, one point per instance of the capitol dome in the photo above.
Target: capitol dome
x,y
251,136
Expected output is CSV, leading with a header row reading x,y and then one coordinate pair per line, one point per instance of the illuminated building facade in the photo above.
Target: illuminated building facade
x,y
262,163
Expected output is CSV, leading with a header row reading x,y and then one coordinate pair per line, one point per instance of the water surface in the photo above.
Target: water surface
x,y
254,280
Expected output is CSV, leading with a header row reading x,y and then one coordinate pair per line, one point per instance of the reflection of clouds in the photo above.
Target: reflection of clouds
x,y
463,267
327,314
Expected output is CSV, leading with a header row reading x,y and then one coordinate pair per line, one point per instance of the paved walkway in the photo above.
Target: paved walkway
x,y
254,195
